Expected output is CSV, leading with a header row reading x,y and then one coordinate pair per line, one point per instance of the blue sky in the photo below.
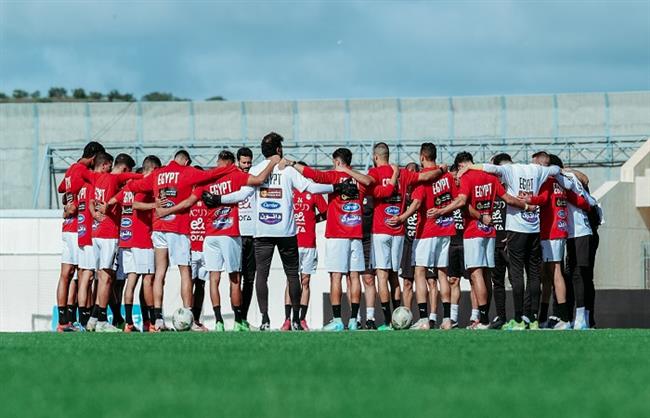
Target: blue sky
x,y
299,50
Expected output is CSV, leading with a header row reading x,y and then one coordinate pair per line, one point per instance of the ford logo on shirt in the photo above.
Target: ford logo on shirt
x,y
270,205
270,218
81,218
126,235
351,207
392,210
126,223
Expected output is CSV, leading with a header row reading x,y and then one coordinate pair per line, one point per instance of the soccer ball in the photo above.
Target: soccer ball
x,y
402,318
182,319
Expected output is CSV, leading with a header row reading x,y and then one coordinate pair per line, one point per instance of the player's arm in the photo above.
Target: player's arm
x,y
321,207
518,203
239,196
578,200
124,177
429,176
94,212
259,179
61,187
142,185
361,178
458,202
195,176
488,168
179,207
582,177
325,182
543,197
69,210
400,219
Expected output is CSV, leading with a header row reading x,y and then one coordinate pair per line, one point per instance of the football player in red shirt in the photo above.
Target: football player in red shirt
x,y
172,184
222,243
478,189
432,236
74,179
198,215
135,242
308,210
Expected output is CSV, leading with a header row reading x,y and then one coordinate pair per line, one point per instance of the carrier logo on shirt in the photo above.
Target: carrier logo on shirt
x,y
82,206
561,214
350,220
270,218
392,210
167,192
81,218
269,193
68,221
126,223
126,235
270,205
351,207
95,224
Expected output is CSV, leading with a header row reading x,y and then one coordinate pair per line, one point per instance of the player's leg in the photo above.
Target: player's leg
x,y
161,260
105,253
231,248
146,302
421,295
304,299
286,325
480,290
72,301
65,276
499,287
356,265
115,300
215,297
236,299
445,297
83,295
516,243
215,263
129,293
247,276
264,248
369,283
379,250
337,263
533,266
433,301
288,250
199,275
407,291
590,289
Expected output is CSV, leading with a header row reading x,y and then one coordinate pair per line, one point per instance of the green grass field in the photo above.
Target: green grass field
x,y
604,373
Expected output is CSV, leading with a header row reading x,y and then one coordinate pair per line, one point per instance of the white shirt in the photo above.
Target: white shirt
x,y
578,221
522,180
246,214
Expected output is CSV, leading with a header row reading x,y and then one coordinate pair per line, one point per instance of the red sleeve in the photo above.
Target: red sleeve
x,y
86,175
577,200
198,191
195,176
61,188
143,185
499,188
418,193
241,179
408,178
465,186
323,177
382,192
124,177
120,196
544,195
454,188
320,203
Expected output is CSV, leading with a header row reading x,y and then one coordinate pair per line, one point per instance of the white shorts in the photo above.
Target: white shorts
x,y
479,252
386,251
222,253
308,259
177,246
138,260
198,266
70,250
344,255
105,250
86,257
552,250
431,252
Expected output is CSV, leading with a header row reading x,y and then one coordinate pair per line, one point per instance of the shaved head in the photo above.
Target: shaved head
x,y
381,151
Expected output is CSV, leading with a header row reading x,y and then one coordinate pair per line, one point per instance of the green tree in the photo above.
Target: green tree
x,y
3,96
57,93
215,99
20,94
156,96
35,95
95,96
79,94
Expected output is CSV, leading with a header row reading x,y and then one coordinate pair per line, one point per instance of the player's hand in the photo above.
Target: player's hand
x,y
284,163
433,213
444,167
462,171
340,167
531,208
100,207
347,190
211,200
395,168
161,212
98,216
395,221
486,219
275,159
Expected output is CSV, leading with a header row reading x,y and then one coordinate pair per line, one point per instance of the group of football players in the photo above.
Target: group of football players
x,y
428,223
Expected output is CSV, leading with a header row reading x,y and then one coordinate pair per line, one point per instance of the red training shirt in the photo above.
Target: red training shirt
x,y
135,225
305,205
438,194
85,220
223,220
392,205
106,186
481,189
73,180
552,200
198,214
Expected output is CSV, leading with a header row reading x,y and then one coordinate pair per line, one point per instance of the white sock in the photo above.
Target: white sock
x,y
525,319
338,320
370,314
433,317
454,312
580,314
475,315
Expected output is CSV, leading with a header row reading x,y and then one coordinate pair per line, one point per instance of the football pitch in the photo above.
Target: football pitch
x,y
600,373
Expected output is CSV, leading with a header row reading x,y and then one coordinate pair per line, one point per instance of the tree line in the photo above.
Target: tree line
x,y
61,94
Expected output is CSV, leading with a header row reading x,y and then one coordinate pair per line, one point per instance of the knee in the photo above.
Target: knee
x,y
453,281
408,285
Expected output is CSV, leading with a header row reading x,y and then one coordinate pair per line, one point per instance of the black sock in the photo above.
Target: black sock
x,y
128,310
144,310
287,311
265,318
217,313
543,312
196,312
336,311
296,313
198,297
388,314
95,311
303,312
446,310
157,314
518,316
422,310
483,312
563,312
63,315
72,313
355,311
102,317
84,316
396,303
238,315
152,314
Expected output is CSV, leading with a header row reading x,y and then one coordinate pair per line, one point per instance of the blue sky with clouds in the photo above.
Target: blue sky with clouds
x,y
298,50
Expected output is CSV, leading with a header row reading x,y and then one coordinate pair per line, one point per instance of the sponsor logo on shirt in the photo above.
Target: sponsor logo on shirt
x,y
82,206
483,227
529,216
351,207
561,214
562,226
168,192
222,211
222,223
270,205
95,224
126,235
350,220
68,221
270,218
81,230
81,218
126,223
445,221
127,210
270,193
392,210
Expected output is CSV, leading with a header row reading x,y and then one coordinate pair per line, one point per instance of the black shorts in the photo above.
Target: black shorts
x,y
456,266
578,251
407,270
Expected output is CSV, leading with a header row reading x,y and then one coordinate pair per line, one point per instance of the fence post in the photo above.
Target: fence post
x,y
450,121
244,123
399,130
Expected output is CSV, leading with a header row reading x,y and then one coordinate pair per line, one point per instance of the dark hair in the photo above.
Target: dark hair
x,y
124,159
417,166
428,151
92,149
343,154
226,155
270,144
541,154
499,158
139,170
198,167
463,157
183,153
555,160
303,163
381,149
151,161
244,152
103,157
